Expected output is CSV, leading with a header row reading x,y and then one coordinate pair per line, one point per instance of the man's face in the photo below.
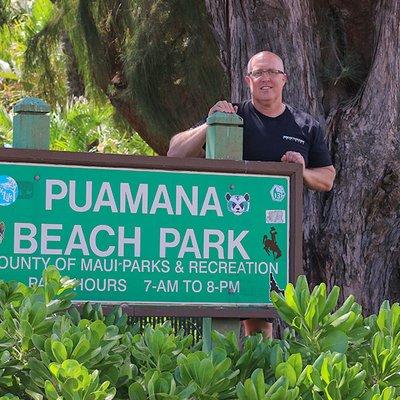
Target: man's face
x,y
268,87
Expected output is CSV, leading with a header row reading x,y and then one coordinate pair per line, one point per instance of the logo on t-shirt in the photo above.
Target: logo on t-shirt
x,y
293,139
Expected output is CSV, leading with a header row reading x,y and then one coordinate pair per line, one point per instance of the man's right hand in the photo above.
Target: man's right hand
x,y
190,143
223,106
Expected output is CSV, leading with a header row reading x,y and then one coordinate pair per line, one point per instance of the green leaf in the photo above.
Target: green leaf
x,y
276,356
81,348
59,351
315,377
69,388
136,392
296,362
284,311
282,382
240,391
34,395
334,340
325,370
98,329
38,341
280,394
166,362
332,391
302,293
188,391
27,332
74,315
250,389
285,369
206,371
50,391
290,297
331,301
345,322
359,333
54,368
311,315
111,374
112,333
343,309
258,378
39,368
39,314
86,310
71,369
388,393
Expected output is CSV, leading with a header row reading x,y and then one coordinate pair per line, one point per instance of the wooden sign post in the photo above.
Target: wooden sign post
x,y
224,141
31,124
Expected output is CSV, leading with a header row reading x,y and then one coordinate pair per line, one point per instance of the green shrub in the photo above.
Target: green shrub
x,y
49,350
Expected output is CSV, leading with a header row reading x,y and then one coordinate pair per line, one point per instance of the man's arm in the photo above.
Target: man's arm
x,y
188,143
320,179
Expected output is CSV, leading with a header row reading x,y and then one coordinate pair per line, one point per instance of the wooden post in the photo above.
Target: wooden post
x,y
224,141
224,137
31,124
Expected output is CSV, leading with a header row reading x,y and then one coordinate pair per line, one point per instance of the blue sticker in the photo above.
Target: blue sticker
x,y
8,190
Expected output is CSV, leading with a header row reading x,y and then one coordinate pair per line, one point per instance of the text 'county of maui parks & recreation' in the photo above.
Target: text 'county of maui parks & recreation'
x,y
146,236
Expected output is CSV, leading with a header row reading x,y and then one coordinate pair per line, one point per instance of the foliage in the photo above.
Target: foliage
x,y
77,124
21,23
329,351
5,127
156,58
171,63
314,324
85,126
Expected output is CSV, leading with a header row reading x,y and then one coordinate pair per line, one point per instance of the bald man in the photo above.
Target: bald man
x,y
272,131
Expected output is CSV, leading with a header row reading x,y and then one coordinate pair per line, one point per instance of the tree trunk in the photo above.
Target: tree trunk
x,y
343,63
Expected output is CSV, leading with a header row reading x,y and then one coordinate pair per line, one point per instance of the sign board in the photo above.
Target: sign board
x,y
149,236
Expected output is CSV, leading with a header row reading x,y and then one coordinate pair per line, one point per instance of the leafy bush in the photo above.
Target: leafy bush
x,y
49,350
86,126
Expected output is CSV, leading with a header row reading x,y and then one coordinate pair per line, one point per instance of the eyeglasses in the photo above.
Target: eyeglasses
x,y
270,73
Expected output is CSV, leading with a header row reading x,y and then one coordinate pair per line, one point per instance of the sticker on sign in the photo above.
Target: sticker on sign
x,y
275,216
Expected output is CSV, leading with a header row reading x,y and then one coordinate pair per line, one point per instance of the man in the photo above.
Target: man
x,y
272,131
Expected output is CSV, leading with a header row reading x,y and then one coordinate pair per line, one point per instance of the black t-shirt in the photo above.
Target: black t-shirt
x,y
269,138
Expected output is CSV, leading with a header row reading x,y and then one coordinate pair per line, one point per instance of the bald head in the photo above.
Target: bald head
x,y
267,55
266,80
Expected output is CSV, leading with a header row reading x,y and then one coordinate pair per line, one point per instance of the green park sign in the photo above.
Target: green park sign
x,y
149,235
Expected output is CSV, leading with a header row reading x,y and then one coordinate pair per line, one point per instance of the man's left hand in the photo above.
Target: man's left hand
x,y
293,157
320,179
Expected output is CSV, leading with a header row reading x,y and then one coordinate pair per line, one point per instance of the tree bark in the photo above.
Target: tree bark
x,y
351,234
362,223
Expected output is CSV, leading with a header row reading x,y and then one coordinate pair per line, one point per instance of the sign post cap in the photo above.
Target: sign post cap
x,y
32,105
221,118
